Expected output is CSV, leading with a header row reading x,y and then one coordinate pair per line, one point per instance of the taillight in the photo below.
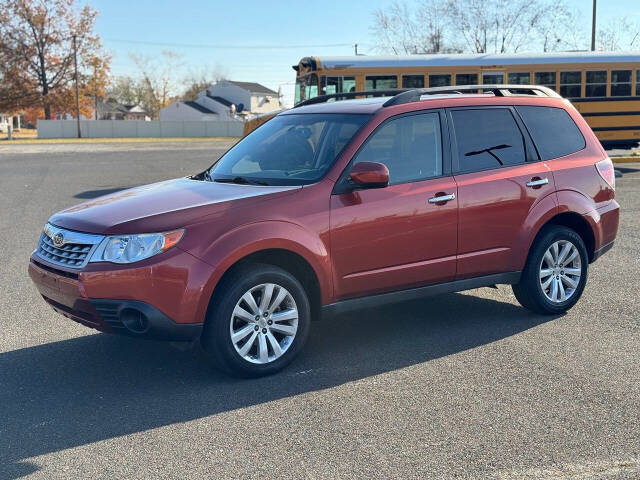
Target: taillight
x,y
605,169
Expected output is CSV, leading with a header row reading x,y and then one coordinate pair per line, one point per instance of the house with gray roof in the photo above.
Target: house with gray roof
x,y
225,100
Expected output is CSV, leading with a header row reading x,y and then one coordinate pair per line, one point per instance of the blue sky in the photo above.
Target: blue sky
x,y
290,30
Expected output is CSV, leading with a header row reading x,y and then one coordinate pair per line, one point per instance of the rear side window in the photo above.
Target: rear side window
x,y
553,131
410,147
487,138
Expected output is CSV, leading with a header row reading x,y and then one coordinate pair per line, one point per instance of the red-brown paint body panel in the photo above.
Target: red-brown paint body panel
x,y
173,284
393,238
494,206
360,243
161,206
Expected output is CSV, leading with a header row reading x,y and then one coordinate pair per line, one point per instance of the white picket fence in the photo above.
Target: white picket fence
x,y
138,128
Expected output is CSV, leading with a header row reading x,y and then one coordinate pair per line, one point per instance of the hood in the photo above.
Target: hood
x,y
160,206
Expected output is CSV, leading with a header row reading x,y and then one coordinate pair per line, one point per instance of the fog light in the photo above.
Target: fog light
x,y
134,320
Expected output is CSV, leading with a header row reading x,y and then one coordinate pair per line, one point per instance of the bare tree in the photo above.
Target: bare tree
x,y
159,76
476,26
618,34
197,82
401,29
36,52
559,31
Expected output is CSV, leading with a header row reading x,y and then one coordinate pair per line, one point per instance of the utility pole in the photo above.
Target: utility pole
x,y
593,28
95,90
356,48
75,64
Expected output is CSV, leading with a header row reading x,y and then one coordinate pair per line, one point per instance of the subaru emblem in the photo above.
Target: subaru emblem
x,y
58,239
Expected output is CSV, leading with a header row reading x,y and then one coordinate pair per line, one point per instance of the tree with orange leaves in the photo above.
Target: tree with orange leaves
x,y
36,56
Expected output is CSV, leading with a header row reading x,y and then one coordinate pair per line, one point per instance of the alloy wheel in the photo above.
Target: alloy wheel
x,y
560,271
264,323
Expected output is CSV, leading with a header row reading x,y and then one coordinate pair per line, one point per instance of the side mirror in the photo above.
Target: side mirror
x,y
370,175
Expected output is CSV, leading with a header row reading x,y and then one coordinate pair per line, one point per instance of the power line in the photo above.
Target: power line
x,y
239,47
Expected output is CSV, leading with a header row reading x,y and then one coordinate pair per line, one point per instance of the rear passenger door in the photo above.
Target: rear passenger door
x,y
500,181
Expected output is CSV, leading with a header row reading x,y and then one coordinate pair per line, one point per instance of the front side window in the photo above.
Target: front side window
x,y
487,138
381,82
413,81
410,147
519,78
546,79
293,149
570,84
440,80
596,84
339,85
553,131
466,78
620,83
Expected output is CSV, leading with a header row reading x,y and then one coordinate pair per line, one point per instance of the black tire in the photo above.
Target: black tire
x,y
529,292
216,338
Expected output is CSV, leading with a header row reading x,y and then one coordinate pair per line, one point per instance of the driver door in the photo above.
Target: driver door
x,y
400,236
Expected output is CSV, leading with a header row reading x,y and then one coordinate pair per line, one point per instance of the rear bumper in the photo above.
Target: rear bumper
x,y
73,294
604,222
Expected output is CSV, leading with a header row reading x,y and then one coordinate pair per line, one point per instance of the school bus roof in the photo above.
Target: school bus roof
x,y
476,60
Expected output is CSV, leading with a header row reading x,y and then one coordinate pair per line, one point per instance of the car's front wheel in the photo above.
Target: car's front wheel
x,y
257,322
555,273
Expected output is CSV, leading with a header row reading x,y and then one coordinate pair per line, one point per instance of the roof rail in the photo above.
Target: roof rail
x,y
506,90
347,95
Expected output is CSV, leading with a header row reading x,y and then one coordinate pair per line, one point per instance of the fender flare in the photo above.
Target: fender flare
x,y
251,238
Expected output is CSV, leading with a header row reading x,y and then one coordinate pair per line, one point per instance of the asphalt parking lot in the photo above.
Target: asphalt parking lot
x,y
461,386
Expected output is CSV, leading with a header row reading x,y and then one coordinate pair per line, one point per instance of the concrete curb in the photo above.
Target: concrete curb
x,y
626,159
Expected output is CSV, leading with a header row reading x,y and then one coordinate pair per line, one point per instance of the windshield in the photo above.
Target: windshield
x,y
293,149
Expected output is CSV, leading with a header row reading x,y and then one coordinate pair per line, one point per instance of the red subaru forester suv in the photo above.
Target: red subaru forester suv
x,y
342,205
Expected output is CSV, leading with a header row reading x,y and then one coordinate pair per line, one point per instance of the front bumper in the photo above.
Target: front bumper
x,y
161,300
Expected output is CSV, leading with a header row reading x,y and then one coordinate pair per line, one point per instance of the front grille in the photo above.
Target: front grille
x,y
70,254
74,249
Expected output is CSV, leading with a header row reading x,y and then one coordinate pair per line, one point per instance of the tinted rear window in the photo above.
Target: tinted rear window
x,y
553,131
487,138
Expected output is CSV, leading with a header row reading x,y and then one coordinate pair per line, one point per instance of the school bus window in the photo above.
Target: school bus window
x,y
340,85
440,80
596,84
620,83
570,84
466,78
519,78
413,81
546,79
491,78
381,82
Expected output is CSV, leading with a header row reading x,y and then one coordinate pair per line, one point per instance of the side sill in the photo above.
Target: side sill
x,y
601,251
378,300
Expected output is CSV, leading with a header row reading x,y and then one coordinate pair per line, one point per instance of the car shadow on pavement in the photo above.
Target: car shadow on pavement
x,y
89,194
87,389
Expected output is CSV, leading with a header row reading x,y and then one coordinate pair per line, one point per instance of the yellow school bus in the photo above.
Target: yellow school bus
x,y
604,86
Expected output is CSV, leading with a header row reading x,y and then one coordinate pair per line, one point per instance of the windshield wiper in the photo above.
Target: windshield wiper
x,y
240,181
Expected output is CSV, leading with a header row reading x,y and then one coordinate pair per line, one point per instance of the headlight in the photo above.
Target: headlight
x,y
133,248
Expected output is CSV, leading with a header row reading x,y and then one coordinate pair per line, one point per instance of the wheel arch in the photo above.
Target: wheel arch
x,y
291,262
578,224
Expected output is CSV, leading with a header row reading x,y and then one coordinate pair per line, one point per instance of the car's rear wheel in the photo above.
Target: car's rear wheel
x,y
555,274
257,322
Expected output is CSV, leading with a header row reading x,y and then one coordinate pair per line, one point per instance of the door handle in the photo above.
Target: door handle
x,y
443,198
537,182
